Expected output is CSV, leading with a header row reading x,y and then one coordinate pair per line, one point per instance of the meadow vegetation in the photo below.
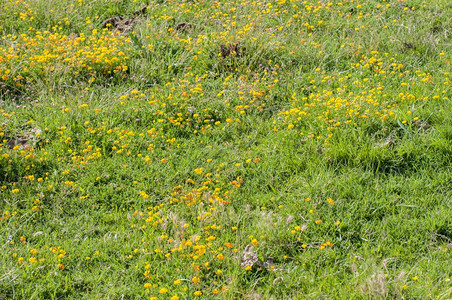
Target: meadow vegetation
x,y
225,149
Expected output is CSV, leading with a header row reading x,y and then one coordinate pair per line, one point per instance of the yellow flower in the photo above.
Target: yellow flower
x,y
32,260
163,291
197,293
198,171
174,298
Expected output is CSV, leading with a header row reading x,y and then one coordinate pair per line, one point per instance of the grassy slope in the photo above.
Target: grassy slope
x,y
326,143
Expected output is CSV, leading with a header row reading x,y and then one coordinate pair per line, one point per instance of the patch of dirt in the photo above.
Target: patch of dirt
x,y
231,50
250,259
409,45
124,25
73,36
183,27
422,125
389,141
27,140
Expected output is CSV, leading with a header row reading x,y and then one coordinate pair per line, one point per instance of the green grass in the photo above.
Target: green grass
x,y
147,162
